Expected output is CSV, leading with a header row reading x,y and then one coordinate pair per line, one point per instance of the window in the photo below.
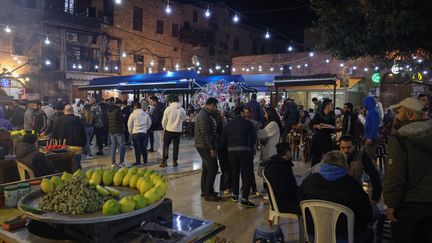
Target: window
x,y
69,6
108,12
18,46
186,25
175,30
26,3
236,44
159,27
254,47
137,21
195,16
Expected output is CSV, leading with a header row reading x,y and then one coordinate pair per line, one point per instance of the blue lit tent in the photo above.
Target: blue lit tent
x,y
237,79
260,82
167,82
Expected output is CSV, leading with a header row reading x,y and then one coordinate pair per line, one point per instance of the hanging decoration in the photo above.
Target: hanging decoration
x,y
222,90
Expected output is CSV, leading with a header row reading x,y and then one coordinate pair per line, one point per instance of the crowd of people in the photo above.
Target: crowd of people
x,y
228,140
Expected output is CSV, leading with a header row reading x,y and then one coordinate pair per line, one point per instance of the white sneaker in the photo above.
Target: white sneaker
x,y
89,157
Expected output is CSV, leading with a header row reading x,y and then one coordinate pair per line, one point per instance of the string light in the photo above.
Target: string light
x,y
47,62
271,69
96,67
281,68
376,68
290,48
27,79
207,12
341,65
118,1
425,72
420,60
168,8
236,18
311,54
223,70
19,61
79,66
7,29
124,54
298,66
355,67
267,35
233,69
252,68
164,69
47,41
366,69
327,60
210,70
116,68
106,68
306,65
151,63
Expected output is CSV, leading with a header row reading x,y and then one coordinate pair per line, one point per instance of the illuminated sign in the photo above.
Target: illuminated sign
x,y
376,78
5,82
395,69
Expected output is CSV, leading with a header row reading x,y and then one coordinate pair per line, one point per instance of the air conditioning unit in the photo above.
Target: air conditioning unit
x,y
71,37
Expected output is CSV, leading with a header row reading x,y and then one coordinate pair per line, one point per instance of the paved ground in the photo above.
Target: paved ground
x,y
185,193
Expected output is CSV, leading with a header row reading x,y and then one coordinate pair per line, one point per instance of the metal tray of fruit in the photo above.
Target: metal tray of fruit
x,y
32,199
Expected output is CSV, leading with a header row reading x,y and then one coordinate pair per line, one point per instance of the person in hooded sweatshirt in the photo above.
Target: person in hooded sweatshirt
x,y
371,133
172,123
70,129
278,170
27,152
4,123
333,183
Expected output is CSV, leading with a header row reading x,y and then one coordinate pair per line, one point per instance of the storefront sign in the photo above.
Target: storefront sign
x,y
5,83
395,69
376,78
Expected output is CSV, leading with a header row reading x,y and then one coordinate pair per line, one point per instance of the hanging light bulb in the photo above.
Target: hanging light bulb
x,y
168,9
74,66
267,35
311,54
152,63
236,18
7,29
207,12
79,66
47,41
341,65
327,60
425,72
290,48
47,62
366,69
96,67
355,67
118,1
124,54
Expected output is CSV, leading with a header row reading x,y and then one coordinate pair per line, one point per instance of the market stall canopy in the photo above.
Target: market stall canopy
x,y
261,82
290,80
237,79
157,82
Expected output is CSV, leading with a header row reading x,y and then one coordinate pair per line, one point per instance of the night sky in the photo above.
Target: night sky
x,y
289,17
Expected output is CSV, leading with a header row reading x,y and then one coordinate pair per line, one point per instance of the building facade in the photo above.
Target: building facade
x,y
54,46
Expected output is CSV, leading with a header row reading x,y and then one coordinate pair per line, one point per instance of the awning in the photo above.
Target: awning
x,y
261,82
290,80
180,80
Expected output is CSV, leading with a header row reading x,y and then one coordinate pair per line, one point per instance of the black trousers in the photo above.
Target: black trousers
x,y
99,133
241,163
168,138
320,146
209,171
414,223
224,163
151,138
140,146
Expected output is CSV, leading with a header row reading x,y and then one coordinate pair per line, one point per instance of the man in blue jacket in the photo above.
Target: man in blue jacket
x,y
372,127
254,106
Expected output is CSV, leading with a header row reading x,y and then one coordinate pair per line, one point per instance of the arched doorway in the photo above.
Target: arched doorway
x,y
12,86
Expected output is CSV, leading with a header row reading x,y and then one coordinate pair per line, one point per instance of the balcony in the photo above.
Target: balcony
x,y
89,66
60,17
197,36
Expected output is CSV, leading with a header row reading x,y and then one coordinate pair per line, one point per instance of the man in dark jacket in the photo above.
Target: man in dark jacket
x,y
291,117
40,119
70,128
408,178
349,123
333,183
239,137
116,131
278,170
156,126
17,116
205,142
359,162
371,127
254,106
27,152
58,112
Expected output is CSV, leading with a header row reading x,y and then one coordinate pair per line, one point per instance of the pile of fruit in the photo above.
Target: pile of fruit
x,y
74,194
18,134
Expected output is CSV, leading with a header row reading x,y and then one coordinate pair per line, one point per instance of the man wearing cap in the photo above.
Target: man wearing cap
x,y
407,187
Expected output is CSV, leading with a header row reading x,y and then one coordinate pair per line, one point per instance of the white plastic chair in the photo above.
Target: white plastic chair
x,y
274,213
325,215
23,170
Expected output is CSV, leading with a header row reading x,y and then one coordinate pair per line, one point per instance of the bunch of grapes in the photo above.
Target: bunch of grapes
x,y
74,197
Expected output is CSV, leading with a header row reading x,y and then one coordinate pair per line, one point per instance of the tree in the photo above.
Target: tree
x,y
395,29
